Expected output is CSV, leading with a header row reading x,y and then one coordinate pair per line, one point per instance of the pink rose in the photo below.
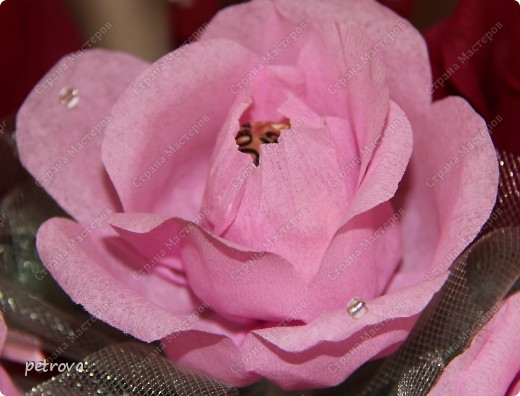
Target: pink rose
x,y
246,271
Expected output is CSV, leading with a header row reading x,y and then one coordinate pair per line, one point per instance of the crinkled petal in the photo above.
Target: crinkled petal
x,y
96,270
359,262
261,28
342,82
395,40
449,191
158,146
61,147
388,155
319,354
288,204
237,282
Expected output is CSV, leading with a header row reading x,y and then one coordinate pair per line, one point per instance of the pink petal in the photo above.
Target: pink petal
x,y
395,40
265,30
490,364
359,262
98,273
319,354
443,215
237,282
288,204
6,385
158,146
211,354
61,147
386,158
22,348
336,51
229,168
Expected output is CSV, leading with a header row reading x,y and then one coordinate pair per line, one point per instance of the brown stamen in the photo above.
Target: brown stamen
x,y
252,135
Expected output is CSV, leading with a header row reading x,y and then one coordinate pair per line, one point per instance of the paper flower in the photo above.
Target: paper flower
x,y
233,198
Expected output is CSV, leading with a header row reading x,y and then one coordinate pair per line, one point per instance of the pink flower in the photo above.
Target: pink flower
x,y
246,271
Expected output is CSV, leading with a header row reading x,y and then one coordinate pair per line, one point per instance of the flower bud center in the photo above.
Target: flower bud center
x,y
252,134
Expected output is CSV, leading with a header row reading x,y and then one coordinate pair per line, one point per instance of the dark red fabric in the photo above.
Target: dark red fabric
x,y
490,78
402,7
34,35
188,20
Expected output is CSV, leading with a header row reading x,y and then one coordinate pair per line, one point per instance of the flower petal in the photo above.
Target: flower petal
x,y
400,45
319,354
258,26
95,267
212,354
61,147
386,158
359,262
237,283
167,124
6,385
449,191
283,206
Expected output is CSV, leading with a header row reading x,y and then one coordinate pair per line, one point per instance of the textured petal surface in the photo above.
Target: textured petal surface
x,y
158,146
235,281
288,204
491,363
386,158
359,262
265,32
95,267
61,147
400,46
319,354
449,190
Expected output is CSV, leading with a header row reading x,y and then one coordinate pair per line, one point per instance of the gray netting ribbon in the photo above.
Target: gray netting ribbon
x,y
65,335
479,280
131,369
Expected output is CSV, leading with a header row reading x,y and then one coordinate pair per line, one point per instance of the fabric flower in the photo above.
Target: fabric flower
x,y
235,196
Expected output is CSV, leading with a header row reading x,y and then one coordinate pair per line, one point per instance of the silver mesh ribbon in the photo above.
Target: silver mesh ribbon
x,y
479,280
71,336
131,369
